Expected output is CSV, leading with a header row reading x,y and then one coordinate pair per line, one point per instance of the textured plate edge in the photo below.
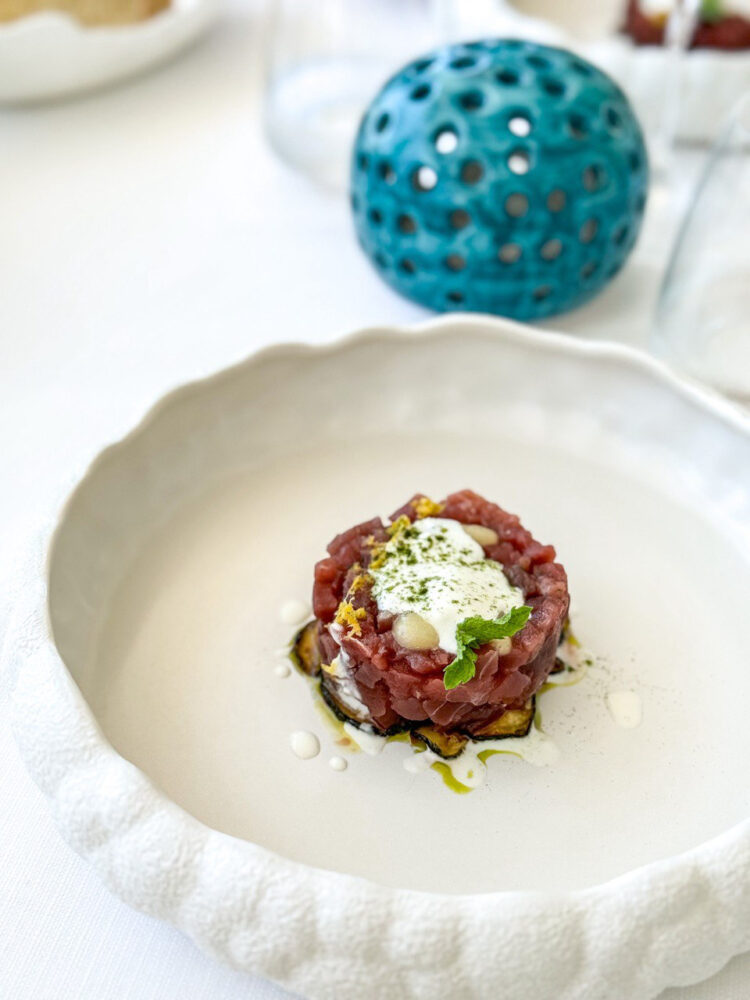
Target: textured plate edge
x,y
178,27
670,923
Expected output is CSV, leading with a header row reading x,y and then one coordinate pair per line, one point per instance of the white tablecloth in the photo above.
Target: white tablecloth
x,y
147,236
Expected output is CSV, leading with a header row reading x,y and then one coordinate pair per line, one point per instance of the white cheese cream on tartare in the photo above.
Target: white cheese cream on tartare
x,y
436,570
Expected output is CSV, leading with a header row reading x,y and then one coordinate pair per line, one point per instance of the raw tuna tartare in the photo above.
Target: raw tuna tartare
x,y
445,622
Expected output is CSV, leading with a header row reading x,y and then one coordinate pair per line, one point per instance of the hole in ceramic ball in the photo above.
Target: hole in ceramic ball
x,y
424,179
555,88
519,162
542,292
459,218
516,205
556,200
472,172
612,271
613,119
383,122
634,161
463,62
507,77
455,262
380,259
577,126
519,125
640,202
407,266
455,297
621,234
509,253
551,250
375,216
387,173
588,231
538,62
406,224
471,100
422,65
421,92
363,161
588,269
594,177
446,140
579,67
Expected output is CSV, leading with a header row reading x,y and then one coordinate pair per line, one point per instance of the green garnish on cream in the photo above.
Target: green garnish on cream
x,y
474,632
434,569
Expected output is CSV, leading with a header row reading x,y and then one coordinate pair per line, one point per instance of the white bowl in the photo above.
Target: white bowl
x,y
51,55
623,870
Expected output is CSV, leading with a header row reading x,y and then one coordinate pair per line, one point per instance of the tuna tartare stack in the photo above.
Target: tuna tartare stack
x,y
445,622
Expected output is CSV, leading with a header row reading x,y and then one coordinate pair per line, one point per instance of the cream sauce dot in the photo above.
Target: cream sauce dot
x,y
304,744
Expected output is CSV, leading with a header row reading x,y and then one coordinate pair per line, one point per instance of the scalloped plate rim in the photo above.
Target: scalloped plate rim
x,y
581,907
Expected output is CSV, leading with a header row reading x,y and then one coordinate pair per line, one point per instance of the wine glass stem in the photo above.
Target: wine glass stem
x,y
680,29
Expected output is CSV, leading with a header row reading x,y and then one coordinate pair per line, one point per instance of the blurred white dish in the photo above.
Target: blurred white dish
x,y
166,576
51,55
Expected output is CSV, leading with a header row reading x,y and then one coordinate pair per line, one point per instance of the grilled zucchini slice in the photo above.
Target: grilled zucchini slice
x,y
305,650
345,714
327,690
514,722
446,745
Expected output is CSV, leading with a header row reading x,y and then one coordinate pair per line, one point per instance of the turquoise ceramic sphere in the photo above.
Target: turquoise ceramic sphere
x,y
499,176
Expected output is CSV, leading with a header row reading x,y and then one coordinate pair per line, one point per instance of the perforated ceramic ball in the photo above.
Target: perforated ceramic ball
x,y
499,176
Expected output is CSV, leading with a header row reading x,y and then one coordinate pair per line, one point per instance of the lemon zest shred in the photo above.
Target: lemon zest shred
x,y
348,615
394,529
424,507
378,557
359,581
399,525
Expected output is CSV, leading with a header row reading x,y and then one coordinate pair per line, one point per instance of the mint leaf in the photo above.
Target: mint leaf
x,y
474,632
462,669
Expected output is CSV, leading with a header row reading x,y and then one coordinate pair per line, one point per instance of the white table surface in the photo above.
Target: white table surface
x,y
147,236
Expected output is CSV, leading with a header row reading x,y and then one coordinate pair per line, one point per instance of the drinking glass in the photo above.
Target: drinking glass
x,y
702,320
325,61
681,24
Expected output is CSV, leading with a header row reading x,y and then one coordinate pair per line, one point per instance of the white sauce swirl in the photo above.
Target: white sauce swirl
x,y
346,688
366,738
470,770
434,568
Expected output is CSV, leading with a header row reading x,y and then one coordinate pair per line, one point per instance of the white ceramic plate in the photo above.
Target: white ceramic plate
x,y
51,55
166,577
